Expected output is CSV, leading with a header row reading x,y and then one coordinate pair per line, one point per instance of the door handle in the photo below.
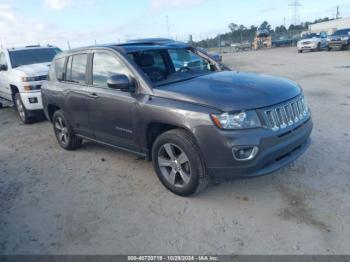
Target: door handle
x,y
93,95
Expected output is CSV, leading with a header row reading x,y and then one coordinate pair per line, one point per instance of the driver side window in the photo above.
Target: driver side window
x,y
104,66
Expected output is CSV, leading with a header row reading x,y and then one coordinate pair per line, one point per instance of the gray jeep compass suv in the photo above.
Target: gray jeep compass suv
x,y
172,104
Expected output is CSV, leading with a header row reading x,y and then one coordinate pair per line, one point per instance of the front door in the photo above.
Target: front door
x,y
113,113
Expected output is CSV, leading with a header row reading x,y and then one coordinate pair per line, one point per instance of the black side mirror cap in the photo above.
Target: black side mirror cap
x,y
3,67
121,82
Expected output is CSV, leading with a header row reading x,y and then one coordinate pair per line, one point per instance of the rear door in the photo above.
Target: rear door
x,y
112,115
78,94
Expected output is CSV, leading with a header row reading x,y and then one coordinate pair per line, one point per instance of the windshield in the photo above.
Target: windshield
x,y
310,36
342,32
32,56
171,65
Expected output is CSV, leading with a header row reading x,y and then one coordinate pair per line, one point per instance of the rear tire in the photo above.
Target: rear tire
x,y
22,111
178,163
329,49
300,51
64,132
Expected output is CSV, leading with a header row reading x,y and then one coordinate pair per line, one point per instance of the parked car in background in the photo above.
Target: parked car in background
x,y
193,123
340,39
22,71
312,42
246,45
216,56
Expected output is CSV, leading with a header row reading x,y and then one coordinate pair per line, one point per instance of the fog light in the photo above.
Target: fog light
x,y
33,100
244,153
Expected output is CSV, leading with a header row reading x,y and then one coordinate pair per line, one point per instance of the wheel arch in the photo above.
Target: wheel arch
x,y
51,109
155,129
14,90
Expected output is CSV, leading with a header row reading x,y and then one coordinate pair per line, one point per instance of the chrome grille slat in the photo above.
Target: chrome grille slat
x,y
287,114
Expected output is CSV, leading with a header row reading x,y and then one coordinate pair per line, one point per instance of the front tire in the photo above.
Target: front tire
x,y
178,163
22,111
300,51
64,132
318,47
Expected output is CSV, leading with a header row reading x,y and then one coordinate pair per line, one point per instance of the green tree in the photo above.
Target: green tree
x,y
233,27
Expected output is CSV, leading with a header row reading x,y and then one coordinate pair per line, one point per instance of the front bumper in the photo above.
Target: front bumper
x,y
36,99
307,47
338,44
276,150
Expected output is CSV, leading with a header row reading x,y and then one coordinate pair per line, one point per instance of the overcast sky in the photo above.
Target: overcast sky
x,y
24,22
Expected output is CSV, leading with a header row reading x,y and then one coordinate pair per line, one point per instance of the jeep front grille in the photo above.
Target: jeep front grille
x,y
287,114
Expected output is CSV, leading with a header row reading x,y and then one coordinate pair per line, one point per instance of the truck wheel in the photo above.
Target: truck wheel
x,y
64,132
22,111
300,51
178,164
329,49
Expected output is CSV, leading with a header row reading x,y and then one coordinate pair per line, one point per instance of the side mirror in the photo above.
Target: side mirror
x,y
121,82
3,67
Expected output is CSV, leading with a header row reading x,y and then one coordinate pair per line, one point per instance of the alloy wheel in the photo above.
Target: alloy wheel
x,y
61,130
20,109
174,165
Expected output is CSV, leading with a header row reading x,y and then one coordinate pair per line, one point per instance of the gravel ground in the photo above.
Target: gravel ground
x,y
101,201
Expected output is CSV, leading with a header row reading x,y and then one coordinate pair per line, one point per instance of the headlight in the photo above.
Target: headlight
x,y
242,120
33,78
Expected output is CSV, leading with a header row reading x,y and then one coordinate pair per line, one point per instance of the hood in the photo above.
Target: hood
x,y
230,91
314,39
336,37
33,69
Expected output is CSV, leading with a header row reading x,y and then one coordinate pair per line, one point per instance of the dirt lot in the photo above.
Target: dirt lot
x,y
101,201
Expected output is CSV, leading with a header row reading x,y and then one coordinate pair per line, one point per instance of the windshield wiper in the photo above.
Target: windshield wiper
x,y
177,81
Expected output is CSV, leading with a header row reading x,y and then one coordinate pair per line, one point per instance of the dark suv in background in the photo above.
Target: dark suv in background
x,y
340,39
177,106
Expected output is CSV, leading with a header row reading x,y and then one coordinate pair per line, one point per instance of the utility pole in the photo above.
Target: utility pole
x,y
337,16
68,44
167,26
296,15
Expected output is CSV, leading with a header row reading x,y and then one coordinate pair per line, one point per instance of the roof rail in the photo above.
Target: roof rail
x,y
28,46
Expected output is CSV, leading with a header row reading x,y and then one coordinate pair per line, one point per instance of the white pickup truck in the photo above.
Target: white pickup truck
x,y
22,71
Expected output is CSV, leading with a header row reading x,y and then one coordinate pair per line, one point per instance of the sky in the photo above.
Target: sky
x,y
85,22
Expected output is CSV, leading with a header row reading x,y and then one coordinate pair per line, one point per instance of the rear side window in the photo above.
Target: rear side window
x,y
76,69
59,68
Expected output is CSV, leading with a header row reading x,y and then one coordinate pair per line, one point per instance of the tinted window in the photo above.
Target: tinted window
x,y
104,66
69,69
59,68
342,32
76,69
32,56
167,66
2,59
